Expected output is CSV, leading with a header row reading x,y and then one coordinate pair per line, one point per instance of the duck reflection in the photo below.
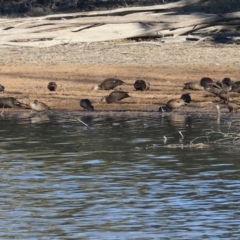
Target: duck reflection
x,y
40,118
180,122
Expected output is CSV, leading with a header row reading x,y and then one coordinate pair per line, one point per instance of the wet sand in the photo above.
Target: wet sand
x,y
26,72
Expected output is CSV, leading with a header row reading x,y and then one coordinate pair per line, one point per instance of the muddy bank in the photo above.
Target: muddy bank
x,y
26,72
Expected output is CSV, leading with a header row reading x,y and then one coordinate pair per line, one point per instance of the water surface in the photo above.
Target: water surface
x,y
117,179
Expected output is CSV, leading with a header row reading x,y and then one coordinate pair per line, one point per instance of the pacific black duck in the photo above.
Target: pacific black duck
x,y
227,81
39,106
1,88
223,96
109,84
86,104
9,102
214,88
176,103
52,86
186,97
233,106
205,81
224,86
193,86
141,85
236,86
115,96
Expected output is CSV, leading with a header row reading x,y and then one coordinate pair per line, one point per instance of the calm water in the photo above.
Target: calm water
x,y
117,179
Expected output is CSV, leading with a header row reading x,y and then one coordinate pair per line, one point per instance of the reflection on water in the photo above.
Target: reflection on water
x,y
116,179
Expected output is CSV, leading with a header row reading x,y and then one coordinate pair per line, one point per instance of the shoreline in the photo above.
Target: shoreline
x,y
26,72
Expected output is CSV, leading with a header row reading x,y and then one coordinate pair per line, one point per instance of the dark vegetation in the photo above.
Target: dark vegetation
x,y
18,8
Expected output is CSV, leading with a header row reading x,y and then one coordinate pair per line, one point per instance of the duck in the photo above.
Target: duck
x,y
205,81
115,96
227,81
224,87
193,86
9,102
233,106
141,85
236,86
176,103
86,104
217,90
223,96
214,88
1,88
52,86
109,84
38,106
186,97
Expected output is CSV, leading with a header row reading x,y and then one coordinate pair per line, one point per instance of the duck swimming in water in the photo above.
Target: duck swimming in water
x,y
115,96
39,106
109,84
86,104
52,86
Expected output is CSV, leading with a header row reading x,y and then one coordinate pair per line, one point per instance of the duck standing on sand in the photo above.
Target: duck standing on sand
x,y
227,81
86,104
9,102
1,88
176,103
109,84
233,106
219,90
115,96
224,87
52,86
236,87
205,81
193,86
141,85
38,106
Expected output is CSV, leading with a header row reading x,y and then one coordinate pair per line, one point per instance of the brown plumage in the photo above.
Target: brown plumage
x,y
186,97
109,84
236,87
86,104
9,102
38,106
223,96
218,92
52,86
224,86
227,81
141,85
205,81
1,88
214,88
176,103
193,86
233,106
115,96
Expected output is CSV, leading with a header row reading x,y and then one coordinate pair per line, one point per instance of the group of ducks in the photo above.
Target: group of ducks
x,y
107,84
116,95
219,89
